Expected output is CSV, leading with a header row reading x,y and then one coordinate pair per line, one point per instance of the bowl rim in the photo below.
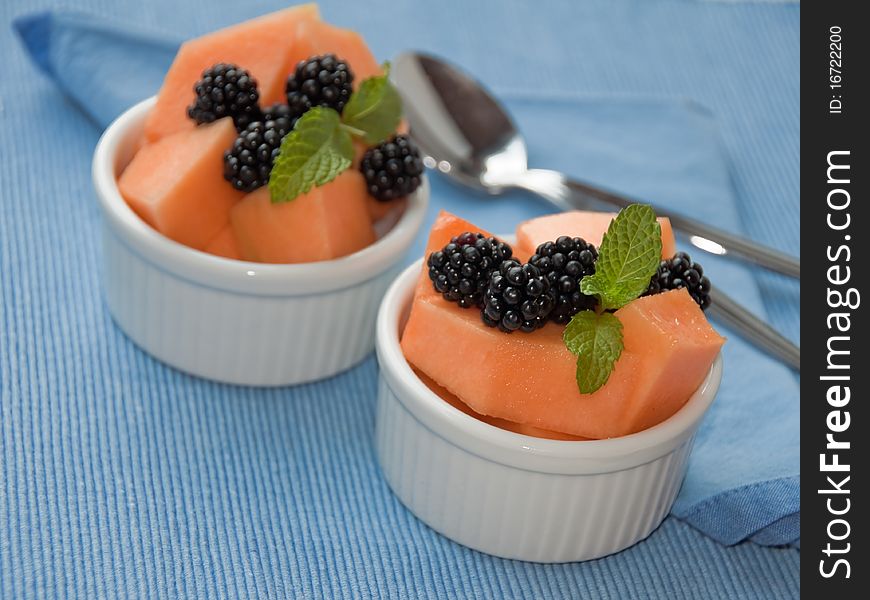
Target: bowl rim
x,y
514,449
250,278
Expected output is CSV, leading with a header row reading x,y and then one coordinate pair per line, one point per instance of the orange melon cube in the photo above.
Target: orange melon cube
x,y
589,225
520,428
177,186
263,46
677,346
327,222
224,244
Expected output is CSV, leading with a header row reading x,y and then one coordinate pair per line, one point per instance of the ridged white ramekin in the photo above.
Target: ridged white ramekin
x,y
234,321
513,495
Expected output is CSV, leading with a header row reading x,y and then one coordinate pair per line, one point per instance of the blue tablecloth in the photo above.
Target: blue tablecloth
x,y
122,477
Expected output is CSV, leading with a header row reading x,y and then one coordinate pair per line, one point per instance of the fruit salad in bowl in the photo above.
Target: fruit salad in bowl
x,y
539,398
259,205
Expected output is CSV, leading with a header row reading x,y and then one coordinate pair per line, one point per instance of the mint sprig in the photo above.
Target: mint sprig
x,y
314,153
596,340
375,109
320,146
627,259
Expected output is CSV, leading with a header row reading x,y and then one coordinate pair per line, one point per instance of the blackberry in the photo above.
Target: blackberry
x,y
681,272
565,263
518,297
392,169
460,271
319,81
248,163
225,90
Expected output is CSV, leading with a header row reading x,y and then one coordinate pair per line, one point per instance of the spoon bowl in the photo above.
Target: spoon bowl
x,y
464,131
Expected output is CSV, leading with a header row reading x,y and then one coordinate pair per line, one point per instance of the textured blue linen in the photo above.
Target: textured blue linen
x,y
123,477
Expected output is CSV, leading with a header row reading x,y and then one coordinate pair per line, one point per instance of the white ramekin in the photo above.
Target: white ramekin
x,y
233,321
513,495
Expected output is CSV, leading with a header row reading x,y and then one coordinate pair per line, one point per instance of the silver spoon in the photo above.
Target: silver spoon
x,y
467,135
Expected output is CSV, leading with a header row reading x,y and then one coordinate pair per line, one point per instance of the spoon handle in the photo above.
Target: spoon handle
x,y
727,311
706,237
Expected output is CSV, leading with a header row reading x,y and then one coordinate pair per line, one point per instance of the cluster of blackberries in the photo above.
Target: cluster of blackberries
x,y
479,272
460,271
227,90
392,169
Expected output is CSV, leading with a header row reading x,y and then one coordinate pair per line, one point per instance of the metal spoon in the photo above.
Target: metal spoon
x,y
468,135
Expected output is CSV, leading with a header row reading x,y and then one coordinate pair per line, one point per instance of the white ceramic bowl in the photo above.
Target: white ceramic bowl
x,y
513,495
233,321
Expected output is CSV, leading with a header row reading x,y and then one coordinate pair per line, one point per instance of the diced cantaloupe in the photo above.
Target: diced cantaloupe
x,y
530,378
677,345
521,428
224,244
589,225
329,221
264,46
317,37
176,184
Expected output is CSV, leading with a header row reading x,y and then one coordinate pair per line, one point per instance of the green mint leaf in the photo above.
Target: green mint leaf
x,y
627,259
596,339
375,109
314,153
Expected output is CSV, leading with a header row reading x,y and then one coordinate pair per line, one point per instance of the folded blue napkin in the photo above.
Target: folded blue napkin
x,y
743,477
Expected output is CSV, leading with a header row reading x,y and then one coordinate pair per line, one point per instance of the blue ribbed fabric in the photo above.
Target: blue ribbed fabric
x,y
122,478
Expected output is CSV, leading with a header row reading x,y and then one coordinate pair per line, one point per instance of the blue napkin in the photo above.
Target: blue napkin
x,y
743,479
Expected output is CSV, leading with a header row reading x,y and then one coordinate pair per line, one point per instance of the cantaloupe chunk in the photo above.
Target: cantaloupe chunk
x,y
327,222
177,186
263,46
225,244
317,37
677,345
530,378
521,428
589,225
